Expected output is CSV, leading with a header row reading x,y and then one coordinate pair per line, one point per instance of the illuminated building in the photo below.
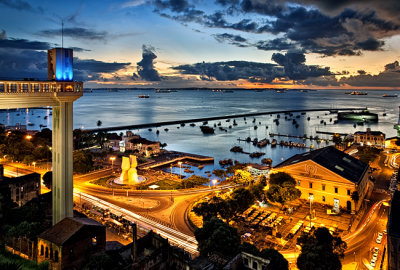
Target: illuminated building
x,y
328,176
370,138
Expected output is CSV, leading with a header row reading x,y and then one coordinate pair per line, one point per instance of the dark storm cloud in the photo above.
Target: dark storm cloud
x,y
145,68
24,44
310,28
390,77
17,4
3,34
231,39
75,33
291,66
98,66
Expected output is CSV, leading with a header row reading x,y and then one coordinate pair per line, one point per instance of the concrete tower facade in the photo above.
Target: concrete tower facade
x,y
60,94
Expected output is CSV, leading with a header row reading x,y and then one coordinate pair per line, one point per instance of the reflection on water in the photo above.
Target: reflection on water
x,y
124,108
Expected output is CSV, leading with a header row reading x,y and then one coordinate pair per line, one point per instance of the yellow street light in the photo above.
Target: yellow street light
x,y
112,163
215,181
34,165
28,137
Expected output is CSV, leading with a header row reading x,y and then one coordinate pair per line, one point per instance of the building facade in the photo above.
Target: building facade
x,y
22,188
257,170
370,138
393,229
328,176
70,243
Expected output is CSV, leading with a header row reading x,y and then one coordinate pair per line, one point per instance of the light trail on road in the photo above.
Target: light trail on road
x,y
175,237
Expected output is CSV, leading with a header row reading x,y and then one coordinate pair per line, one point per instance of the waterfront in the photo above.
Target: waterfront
x,y
124,107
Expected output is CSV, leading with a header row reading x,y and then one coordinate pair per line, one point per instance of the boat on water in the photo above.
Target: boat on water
x,y
392,95
207,130
143,96
166,91
358,116
113,90
358,93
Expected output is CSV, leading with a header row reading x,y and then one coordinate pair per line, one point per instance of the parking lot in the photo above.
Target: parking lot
x,y
271,227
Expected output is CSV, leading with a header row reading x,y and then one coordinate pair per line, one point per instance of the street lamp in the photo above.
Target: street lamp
x,y
112,163
28,137
180,169
34,165
215,181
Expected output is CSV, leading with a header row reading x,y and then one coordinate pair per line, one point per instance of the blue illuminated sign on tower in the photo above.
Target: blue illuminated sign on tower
x,y
60,64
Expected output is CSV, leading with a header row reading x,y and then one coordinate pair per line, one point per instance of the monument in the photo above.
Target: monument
x,y
129,173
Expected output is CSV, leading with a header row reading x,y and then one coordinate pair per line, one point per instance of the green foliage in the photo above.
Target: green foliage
x,y
242,198
280,178
217,236
320,251
336,139
258,191
243,177
262,179
10,265
100,261
83,162
220,173
367,154
193,181
48,179
25,229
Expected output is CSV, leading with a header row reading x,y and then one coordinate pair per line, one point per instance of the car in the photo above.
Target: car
x,y
373,263
379,240
380,235
376,250
375,256
384,231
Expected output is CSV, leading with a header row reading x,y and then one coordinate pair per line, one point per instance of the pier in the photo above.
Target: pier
x,y
172,157
213,118
331,133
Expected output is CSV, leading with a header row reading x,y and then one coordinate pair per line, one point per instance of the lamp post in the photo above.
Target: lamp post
x,y
112,163
34,166
180,169
215,181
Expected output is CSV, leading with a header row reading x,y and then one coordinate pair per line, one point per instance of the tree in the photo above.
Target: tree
x,y
217,236
282,188
243,177
336,139
241,199
280,178
320,251
277,261
219,173
258,191
83,162
48,180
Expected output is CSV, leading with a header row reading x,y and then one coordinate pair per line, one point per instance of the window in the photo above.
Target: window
x,y
310,185
246,261
323,198
336,190
41,250
56,256
46,254
255,265
348,192
298,182
323,187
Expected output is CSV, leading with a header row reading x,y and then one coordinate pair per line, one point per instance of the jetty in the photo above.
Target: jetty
x,y
211,118
171,157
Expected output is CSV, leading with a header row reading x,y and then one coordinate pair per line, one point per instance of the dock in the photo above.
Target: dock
x,y
331,133
213,118
173,157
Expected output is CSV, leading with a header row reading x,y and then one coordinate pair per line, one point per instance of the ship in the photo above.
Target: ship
x,y
386,95
360,116
207,129
143,96
357,93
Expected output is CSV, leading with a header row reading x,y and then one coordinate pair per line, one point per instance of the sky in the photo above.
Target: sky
x,y
321,44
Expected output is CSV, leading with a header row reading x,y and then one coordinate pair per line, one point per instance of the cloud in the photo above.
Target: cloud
x,y
304,25
291,66
145,68
17,4
25,44
3,34
236,40
76,33
390,77
133,3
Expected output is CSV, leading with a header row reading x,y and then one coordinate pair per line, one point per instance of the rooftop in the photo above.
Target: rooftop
x,y
66,228
334,160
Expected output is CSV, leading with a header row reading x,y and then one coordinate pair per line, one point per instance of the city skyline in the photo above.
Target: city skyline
x,y
249,44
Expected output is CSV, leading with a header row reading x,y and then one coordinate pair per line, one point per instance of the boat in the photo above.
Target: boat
x,y
166,91
31,124
357,93
207,129
237,149
392,95
143,96
361,116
